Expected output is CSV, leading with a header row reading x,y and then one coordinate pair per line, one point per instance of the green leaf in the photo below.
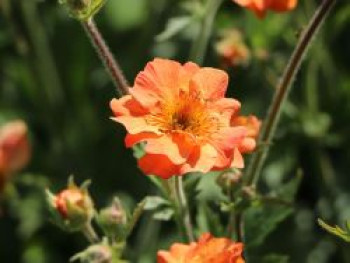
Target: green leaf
x,y
262,219
336,230
174,26
164,214
155,202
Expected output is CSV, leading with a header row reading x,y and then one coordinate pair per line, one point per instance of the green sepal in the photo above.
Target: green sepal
x,y
83,10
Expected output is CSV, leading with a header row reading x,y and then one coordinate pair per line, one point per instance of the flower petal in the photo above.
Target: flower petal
x,y
237,160
202,159
132,139
159,165
159,80
136,125
229,137
127,106
165,146
210,83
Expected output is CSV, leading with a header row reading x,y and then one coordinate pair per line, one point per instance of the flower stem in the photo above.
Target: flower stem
x,y
282,91
90,234
106,56
183,209
200,43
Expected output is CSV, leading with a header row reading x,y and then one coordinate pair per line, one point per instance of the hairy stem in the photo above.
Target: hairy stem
x,y
200,43
183,209
106,56
282,91
90,234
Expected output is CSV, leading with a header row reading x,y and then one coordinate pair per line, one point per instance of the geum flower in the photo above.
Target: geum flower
x,y
208,249
261,6
181,113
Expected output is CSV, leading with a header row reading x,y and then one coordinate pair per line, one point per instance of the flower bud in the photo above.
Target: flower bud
x,y
228,179
73,207
113,220
14,149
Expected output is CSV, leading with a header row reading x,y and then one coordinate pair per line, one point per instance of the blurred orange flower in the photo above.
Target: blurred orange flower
x,y
181,113
261,6
231,49
14,149
208,249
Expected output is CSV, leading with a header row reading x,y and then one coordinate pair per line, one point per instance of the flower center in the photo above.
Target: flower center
x,y
189,114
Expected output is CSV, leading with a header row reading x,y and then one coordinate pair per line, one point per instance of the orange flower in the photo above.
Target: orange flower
x,y
14,149
261,6
182,115
232,49
207,250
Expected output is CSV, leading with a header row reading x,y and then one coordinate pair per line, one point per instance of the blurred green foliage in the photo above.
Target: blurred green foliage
x,y
51,77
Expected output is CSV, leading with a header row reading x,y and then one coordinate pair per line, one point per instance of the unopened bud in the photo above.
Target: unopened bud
x,y
113,220
230,178
72,206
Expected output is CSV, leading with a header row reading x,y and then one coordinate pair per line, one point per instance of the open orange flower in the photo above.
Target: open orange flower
x,y
261,6
181,113
207,250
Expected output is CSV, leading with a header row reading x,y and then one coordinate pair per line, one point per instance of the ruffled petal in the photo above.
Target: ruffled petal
x,y
229,137
127,106
160,80
237,160
247,145
132,139
136,125
159,165
167,147
209,83
202,159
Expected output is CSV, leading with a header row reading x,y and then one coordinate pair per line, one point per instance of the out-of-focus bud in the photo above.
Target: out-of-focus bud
x,y
99,253
231,49
113,220
229,179
72,208
83,9
14,149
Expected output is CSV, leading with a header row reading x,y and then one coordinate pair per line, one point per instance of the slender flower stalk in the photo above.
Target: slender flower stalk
x,y
282,91
183,209
90,234
200,43
106,56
